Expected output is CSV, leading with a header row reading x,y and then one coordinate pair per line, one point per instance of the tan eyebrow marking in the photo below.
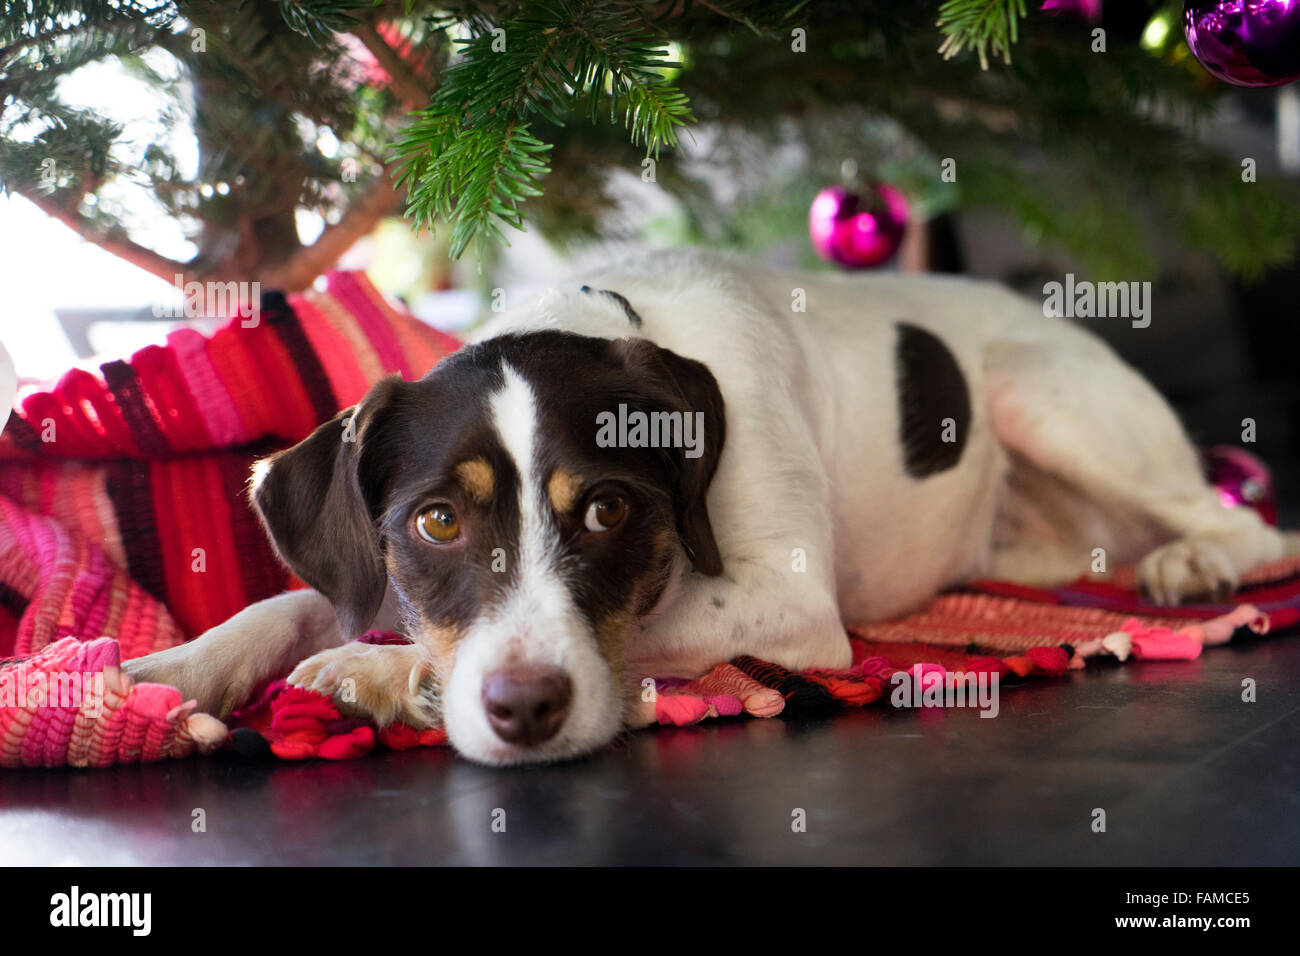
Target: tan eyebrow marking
x,y
564,488
476,476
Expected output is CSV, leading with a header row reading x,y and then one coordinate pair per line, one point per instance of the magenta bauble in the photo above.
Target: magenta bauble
x,y
858,229
1241,479
1245,42
1089,10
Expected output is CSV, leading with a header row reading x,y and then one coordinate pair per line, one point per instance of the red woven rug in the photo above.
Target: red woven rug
x,y
963,648
992,628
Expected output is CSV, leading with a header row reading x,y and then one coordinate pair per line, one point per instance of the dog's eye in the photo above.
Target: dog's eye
x,y
605,513
438,524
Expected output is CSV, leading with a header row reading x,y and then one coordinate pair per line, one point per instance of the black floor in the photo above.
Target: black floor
x,y
1186,772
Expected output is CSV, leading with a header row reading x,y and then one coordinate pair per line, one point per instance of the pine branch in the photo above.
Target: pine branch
x,y
652,108
319,20
982,25
471,158
506,174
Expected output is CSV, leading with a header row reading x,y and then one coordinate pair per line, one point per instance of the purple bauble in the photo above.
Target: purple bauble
x,y
1246,42
1241,479
858,230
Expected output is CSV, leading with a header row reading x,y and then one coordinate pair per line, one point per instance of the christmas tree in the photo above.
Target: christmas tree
x,y
476,117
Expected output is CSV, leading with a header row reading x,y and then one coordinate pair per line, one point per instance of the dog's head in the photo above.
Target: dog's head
x,y
522,504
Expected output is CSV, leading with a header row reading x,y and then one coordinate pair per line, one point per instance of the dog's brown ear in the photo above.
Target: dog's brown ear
x,y
688,386
318,501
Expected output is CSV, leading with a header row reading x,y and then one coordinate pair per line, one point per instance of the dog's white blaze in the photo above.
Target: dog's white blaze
x,y
514,414
538,609
536,622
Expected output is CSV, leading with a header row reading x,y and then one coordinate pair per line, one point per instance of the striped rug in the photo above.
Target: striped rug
x,y
122,508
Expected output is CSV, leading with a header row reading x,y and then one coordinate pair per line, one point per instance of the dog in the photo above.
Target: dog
x,y
663,465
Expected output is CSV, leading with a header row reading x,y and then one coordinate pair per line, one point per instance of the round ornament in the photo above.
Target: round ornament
x,y
858,227
1241,479
1245,42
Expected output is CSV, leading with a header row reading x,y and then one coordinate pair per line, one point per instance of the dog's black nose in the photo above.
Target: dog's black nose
x,y
527,706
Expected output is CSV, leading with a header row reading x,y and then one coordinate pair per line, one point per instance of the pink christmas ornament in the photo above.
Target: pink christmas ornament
x,y
1089,10
1241,479
855,229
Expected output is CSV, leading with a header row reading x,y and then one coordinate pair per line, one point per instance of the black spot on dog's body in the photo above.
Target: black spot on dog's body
x,y
626,306
934,406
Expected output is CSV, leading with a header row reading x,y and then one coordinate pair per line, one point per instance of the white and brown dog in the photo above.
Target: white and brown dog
x,y
664,465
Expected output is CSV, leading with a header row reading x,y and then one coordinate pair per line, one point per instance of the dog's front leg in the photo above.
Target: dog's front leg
x,y
222,667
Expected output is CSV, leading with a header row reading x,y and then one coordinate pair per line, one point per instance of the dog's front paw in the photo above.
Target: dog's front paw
x,y
1187,569
386,683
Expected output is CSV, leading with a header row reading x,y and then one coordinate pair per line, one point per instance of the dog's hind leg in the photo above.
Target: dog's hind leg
x,y
222,667
1073,410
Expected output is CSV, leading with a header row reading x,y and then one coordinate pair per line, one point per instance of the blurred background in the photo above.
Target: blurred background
x,y
145,145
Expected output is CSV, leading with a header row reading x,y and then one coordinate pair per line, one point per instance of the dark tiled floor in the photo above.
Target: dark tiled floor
x,y
1186,772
